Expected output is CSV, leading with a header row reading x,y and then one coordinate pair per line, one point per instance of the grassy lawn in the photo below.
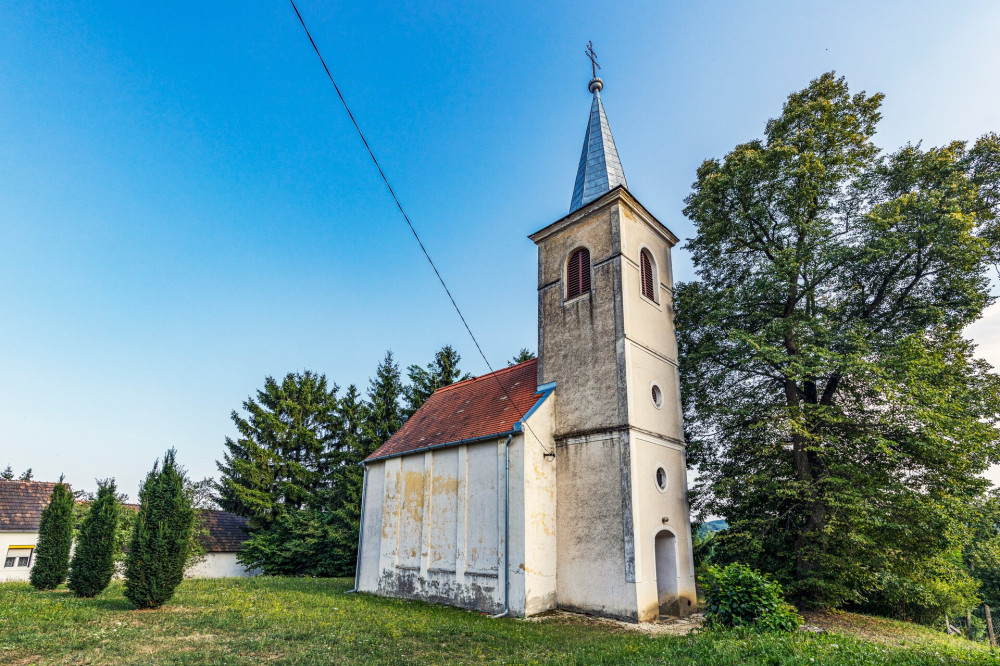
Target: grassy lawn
x,y
304,621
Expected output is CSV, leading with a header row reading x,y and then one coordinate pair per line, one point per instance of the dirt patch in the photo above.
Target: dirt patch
x,y
24,661
666,626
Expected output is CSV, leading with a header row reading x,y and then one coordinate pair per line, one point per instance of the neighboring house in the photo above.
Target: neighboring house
x,y
561,482
21,504
224,536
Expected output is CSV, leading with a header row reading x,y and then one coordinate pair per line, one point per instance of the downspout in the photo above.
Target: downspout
x,y
361,530
506,530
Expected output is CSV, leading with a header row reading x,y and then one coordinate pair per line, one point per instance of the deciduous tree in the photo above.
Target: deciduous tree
x,y
839,419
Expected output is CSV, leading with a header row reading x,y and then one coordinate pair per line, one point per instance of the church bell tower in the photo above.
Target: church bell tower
x,y
606,338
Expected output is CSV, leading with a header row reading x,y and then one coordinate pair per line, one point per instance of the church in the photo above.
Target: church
x,y
560,482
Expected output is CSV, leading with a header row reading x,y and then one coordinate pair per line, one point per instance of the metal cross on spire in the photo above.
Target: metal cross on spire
x,y
593,58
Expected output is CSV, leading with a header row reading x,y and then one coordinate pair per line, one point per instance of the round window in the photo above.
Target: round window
x,y
661,479
657,396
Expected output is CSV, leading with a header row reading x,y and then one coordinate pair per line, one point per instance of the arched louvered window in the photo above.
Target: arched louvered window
x,y
578,273
648,275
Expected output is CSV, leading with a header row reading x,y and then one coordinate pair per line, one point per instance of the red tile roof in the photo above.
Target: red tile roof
x,y
467,410
21,504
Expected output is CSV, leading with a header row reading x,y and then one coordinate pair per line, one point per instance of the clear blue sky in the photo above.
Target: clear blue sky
x,y
185,208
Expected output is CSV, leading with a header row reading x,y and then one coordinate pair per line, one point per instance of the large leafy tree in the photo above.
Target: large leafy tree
x,y
93,562
839,420
283,454
161,536
442,371
55,538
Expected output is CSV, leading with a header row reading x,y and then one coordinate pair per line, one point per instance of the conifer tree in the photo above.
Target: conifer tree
x,y
383,416
442,371
524,355
282,455
161,537
55,538
93,562
380,418
7,474
348,484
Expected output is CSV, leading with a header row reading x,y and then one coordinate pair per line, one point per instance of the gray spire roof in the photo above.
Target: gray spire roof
x,y
600,169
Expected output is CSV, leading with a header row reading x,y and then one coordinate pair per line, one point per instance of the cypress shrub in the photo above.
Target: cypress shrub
x,y
161,537
93,562
55,538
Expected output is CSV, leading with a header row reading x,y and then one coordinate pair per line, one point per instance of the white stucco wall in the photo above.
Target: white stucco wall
x,y
606,351
8,539
538,527
433,527
217,565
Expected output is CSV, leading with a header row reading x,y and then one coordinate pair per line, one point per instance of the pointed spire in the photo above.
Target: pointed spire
x,y
600,169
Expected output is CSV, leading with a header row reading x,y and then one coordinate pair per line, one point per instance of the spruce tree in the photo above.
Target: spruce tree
x,y
281,457
93,562
442,371
55,538
161,537
383,416
524,355
348,483
377,421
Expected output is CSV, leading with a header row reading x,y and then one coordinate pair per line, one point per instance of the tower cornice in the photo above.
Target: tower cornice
x,y
618,194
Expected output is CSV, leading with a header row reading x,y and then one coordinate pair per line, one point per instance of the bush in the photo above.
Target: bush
x,y
94,558
55,538
738,596
161,537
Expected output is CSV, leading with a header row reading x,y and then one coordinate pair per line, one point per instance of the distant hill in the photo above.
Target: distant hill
x,y
714,526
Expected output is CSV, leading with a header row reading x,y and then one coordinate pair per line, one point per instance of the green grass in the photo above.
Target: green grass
x,y
304,621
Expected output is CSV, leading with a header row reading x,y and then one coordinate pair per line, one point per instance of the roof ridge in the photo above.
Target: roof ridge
x,y
509,368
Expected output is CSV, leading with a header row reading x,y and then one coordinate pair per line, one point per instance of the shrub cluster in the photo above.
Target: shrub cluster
x,y
738,596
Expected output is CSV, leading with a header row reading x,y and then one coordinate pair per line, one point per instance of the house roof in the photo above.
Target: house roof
x,y
472,409
21,504
226,532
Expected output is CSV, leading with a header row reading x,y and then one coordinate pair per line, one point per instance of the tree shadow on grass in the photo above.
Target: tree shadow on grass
x,y
110,603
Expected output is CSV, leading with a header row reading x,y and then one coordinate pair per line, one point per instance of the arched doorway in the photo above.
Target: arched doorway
x,y
666,572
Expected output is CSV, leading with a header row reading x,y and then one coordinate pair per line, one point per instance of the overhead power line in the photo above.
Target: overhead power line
x,y
416,236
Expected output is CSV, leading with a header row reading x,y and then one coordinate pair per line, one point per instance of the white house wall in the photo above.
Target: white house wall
x,y
433,526
8,539
217,565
